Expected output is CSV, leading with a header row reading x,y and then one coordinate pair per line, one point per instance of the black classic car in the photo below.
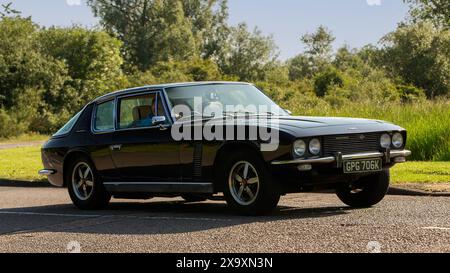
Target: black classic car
x,y
156,141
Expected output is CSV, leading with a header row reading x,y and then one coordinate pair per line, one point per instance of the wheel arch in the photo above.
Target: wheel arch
x,y
71,155
229,147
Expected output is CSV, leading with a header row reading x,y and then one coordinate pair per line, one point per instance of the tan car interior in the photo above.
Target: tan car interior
x,y
141,112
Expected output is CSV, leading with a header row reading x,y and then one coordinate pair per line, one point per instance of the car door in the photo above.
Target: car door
x,y
144,151
101,139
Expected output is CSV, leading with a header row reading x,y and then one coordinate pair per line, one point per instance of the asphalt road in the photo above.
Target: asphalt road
x,y
43,220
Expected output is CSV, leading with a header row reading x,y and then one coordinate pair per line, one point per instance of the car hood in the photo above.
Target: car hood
x,y
316,126
313,126
314,122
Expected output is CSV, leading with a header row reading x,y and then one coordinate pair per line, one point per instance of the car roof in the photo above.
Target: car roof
x,y
160,86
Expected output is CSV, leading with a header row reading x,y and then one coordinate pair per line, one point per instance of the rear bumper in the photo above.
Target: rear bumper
x,y
46,172
55,177
388,156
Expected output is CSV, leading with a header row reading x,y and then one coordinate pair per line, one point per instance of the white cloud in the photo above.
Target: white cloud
x,y
373,2
73,2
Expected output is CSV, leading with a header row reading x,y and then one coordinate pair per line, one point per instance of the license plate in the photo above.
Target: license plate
x,y
363,166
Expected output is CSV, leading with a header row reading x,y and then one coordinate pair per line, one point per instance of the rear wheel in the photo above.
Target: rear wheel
x,y
85,188
249,187
366,192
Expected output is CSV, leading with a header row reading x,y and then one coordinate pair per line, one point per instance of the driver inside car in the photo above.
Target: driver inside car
x,y
143,115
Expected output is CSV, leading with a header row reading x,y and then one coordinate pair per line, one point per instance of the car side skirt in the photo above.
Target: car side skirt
x,y
159,187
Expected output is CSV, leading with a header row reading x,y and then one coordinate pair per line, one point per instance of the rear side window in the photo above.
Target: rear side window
x,y
104,117
69,126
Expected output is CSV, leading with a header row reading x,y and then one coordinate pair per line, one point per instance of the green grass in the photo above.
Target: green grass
x,y
421,172
22,164
427,122
24,138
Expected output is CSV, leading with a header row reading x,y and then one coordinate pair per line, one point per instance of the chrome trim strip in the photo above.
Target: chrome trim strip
x,y
46,172
157,183
159,187
140,92
332,159
94,117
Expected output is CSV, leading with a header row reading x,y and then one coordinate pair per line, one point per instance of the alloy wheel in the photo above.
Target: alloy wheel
x,y
83,181
244,183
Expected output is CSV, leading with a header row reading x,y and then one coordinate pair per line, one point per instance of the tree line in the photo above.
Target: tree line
x,y
48,74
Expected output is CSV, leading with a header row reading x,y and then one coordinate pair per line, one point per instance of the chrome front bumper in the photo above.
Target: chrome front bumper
x,y
388,156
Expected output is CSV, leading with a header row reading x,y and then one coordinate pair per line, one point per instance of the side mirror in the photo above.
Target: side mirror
x,y
156,121
288,111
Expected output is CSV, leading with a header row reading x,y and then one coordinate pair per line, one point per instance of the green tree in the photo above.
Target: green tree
x,y
209,25
24,69
317,54
8,11
249,55
93,62
420,55
436,11
319,44
195,69
158,30
301,66
26,74
327,79
173,37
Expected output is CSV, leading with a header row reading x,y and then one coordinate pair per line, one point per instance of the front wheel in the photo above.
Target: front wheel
x,y
249,187
367,191
85,188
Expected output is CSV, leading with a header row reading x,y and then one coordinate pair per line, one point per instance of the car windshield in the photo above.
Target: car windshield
x,y
224,98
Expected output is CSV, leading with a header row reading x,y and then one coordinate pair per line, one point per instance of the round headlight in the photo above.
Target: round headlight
x,y
397,140
386,141
315,146
299,148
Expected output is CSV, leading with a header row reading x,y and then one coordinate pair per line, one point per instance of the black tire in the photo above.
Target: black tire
x,y
266,198
369,191
98,197
192,198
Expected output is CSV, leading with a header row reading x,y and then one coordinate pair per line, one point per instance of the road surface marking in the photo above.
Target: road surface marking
x,y
23,213
436,228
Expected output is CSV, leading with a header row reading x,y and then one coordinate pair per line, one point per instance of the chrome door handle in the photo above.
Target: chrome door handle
x,y
116,147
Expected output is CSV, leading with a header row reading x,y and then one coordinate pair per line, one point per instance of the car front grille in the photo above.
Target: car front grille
x,y
351,144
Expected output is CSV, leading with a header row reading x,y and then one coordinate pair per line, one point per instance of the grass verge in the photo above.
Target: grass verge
x,y
421,172
22,164
30,137
428,123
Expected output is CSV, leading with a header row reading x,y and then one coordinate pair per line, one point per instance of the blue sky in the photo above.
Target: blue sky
x,y
353,22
